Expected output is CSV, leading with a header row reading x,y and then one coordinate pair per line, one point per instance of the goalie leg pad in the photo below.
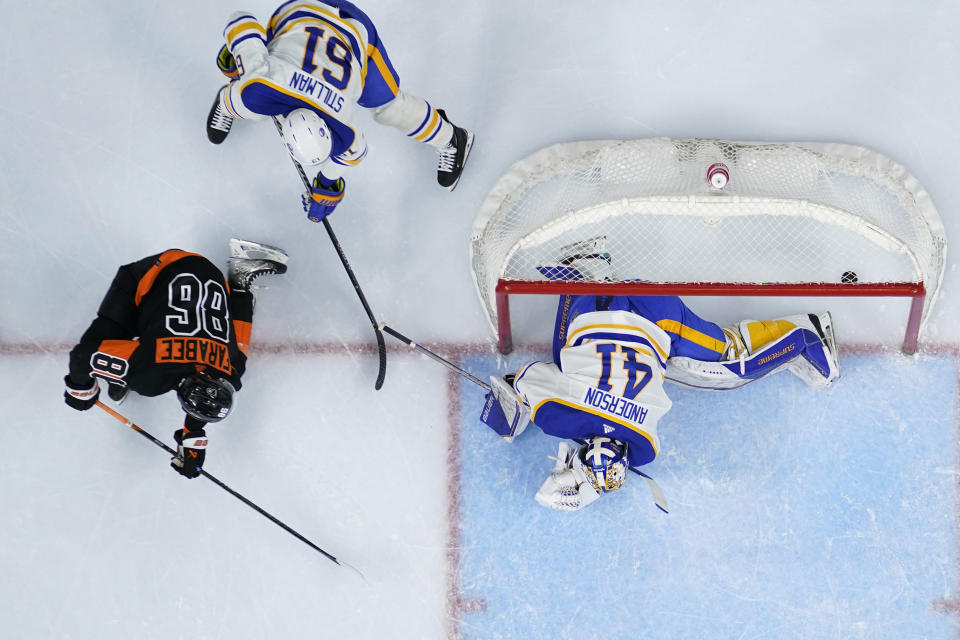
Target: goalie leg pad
x,y
803,349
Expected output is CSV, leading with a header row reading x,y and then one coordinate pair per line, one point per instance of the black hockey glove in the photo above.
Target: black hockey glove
x,y
78,396
191,451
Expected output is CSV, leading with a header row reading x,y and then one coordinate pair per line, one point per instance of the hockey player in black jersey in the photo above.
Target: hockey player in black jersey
x,y
169,322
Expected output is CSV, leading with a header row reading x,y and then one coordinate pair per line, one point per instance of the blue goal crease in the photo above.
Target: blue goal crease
x,y
795,513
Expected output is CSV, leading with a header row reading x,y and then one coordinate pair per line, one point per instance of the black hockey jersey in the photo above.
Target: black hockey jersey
x,y
165,317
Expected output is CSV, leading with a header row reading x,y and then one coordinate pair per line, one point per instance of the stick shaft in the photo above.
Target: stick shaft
x,y
216,481
410,343
381,346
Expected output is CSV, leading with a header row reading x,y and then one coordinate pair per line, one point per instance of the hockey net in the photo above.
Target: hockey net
x,y
792,220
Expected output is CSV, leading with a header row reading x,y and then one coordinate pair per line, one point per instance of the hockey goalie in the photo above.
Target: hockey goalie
x,y
611,356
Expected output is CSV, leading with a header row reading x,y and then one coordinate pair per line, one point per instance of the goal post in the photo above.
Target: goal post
x,y
793,219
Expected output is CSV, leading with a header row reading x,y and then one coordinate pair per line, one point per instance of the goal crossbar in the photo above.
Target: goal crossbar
x,y
914,290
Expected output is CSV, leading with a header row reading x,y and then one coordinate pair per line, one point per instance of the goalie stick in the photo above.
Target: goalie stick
x,y
381,345
659,497
119,416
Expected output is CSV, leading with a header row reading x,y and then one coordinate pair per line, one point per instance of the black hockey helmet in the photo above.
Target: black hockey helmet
x,y
205,397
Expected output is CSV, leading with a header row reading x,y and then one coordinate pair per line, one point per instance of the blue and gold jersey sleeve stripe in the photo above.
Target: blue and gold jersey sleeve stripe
x,y
692,335
354,160
243,28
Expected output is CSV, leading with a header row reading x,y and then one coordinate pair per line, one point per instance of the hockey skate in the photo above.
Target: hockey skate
x,y
218,121
250,260
585,261
453,157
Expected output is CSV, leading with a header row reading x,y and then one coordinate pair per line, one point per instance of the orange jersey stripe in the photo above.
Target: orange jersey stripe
x,y
243,331
166,258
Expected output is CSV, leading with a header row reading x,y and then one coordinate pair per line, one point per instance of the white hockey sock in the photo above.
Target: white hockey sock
x,y
416,119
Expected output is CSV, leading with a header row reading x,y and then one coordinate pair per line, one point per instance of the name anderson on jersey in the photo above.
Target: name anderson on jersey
x,y
305,83
616,405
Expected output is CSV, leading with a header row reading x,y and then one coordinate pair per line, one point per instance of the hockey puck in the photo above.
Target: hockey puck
x,y
849,277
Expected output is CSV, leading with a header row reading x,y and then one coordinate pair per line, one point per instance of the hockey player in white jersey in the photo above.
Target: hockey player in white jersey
x,y
611,355
313,64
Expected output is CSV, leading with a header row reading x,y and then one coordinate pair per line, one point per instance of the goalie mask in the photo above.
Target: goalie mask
x,y
604,462
205,397
307,136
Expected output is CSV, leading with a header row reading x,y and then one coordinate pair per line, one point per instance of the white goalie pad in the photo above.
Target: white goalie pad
x,y
704,375
565,489
808,351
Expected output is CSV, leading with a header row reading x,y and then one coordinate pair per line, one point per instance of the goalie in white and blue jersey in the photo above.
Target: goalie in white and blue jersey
x,y
611,355
313,64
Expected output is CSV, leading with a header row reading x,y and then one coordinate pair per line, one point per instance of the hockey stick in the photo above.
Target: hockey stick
x,y
659,498
238,496
381,345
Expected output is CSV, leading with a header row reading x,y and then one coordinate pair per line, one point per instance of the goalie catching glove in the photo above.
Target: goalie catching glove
x,y
580,477
191,452
323,198
566,488
503,411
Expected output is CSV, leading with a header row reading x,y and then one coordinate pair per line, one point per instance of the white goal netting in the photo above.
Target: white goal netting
x,y
790,213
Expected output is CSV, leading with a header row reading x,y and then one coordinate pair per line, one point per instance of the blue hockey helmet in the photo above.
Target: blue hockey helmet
x,y
205,397
604,462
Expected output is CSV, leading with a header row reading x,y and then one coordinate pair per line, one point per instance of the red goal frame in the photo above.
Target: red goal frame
x,y
914,290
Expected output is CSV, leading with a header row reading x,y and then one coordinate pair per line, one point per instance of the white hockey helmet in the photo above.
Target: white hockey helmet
x,y
604,462
307,136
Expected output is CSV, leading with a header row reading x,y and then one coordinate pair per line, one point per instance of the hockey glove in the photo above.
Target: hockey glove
x,y
566,488
80,397
323,198
191,451
227,64
503,412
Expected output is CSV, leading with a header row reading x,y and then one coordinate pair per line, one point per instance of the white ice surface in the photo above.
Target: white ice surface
x,y
104,160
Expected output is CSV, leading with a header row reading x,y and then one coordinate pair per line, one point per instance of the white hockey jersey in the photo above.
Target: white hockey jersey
x,y
609,382
322,56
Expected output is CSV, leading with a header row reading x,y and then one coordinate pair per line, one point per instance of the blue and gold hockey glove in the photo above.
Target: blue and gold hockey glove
x,y
191,452
323,198
227,64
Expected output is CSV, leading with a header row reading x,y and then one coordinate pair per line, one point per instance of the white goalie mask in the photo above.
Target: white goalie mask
x,y
307,136
604,463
